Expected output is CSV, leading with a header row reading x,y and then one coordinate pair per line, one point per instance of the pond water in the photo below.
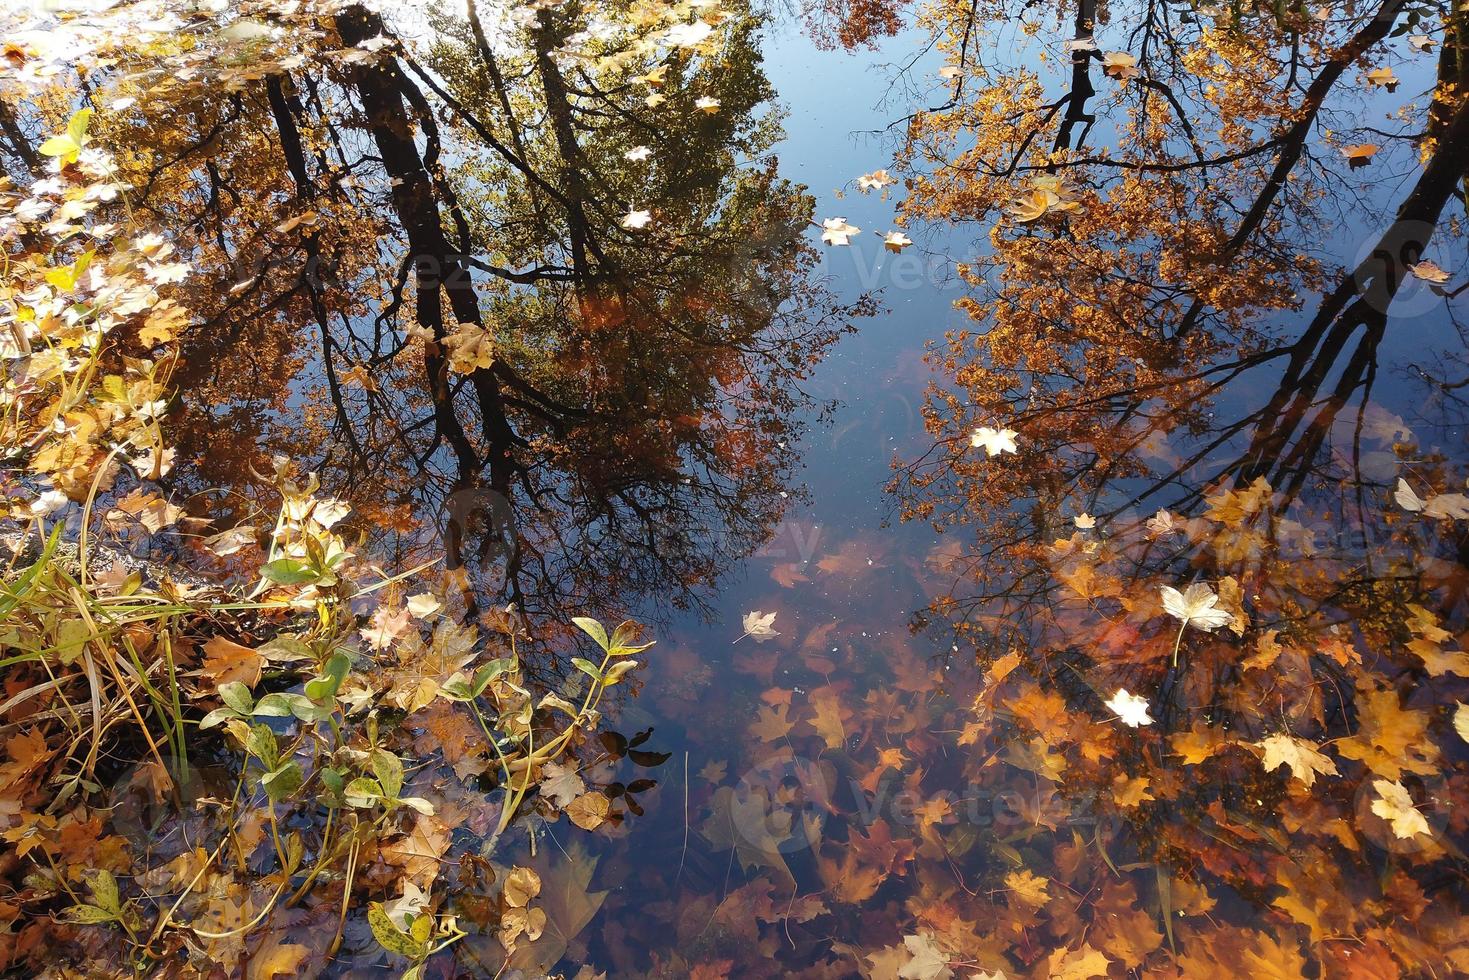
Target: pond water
x,y
1175,308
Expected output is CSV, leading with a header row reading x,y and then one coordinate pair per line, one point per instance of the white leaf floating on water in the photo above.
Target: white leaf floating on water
x,y
638,154
1084,522
759,626
688,35
838,232
1461,720
1445,506
423,605
635,220
994,441
1162,523
1119,65
896,241
706,104
875,181
1130,708
927,960
1197,607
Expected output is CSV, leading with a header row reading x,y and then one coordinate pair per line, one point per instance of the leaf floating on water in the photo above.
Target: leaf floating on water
x,y
759,626
836,231
1131,709
589,810
1359,155
1196,607
1444,506
994,441
896,241
1297,753
1394,805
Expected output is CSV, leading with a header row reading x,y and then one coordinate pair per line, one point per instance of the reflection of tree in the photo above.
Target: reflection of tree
x,y
365,217
1136,322
1122,321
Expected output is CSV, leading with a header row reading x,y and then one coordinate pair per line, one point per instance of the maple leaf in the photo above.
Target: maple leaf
x,y
849,881
1078,964
1383,78
787,574
852,559
875,181
276,959
927,961
419,851
755,826
836,231
151,510
1304,761
471,347
1461,720
1162,523
1130,791
994,441
1119,65
830,717
636,220
385,627
1396,806
707,104
1197,607
1390,739
771,724
896,241
561,784
226,661
1130,708
569,904
1198,744
1028,887
1428,271
638,154
879,849
758,626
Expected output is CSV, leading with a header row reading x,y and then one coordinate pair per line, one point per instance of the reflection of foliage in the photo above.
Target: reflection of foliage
x,y
1129,296
643,386
369,226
